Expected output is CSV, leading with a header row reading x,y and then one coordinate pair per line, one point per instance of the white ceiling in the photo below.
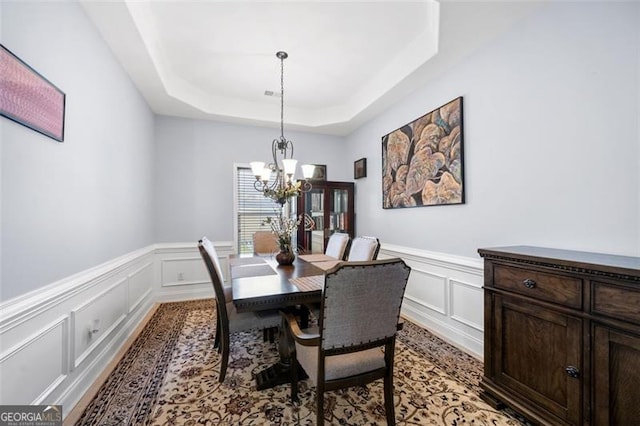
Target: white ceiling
x,y
348,60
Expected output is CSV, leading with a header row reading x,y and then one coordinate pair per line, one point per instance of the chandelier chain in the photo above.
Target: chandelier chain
x,y
282,97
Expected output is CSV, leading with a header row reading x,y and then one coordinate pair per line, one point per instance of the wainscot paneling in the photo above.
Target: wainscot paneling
x,y
444,295
140,285
74,328
182,272
96,319
35,366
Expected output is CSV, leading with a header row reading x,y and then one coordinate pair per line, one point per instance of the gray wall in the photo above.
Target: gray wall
x,y
69,206
551,128
552,154
195,165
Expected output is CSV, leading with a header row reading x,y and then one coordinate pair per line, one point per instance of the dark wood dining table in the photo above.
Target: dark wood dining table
x,y
259,283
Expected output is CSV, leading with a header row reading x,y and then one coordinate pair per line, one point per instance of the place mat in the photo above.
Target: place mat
x,y
312,283
251,271
319,257
326,265
239,261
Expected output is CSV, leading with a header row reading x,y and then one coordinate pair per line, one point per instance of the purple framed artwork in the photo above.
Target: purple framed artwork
x,y
28,98
422,162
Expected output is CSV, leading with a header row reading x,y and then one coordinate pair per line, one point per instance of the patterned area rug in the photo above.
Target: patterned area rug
x,y
169,376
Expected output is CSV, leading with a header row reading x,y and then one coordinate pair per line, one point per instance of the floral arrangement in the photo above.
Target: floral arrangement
x,y
284,227
280,195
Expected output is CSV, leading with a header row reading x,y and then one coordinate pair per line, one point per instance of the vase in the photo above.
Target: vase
x,y
285,257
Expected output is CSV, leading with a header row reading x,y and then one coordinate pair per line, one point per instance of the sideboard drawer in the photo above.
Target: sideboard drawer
x,y
616,302
560,289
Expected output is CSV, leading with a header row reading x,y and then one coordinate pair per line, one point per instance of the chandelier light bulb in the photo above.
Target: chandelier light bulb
x,y
289,165
307,170
265,174
257,168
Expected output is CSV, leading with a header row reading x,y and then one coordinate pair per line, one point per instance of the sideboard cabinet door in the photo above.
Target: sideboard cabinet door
x,y
616,377
537,357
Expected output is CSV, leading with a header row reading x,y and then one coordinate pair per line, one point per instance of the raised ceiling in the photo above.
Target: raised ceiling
x,y
348,60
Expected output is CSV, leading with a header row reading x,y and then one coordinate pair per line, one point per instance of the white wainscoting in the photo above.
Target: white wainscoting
x,y
54,342
181,271
444,295
36,365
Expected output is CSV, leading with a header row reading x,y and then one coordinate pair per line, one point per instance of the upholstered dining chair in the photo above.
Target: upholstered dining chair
x,y
337,245
354,341
229,320
363,249
265,242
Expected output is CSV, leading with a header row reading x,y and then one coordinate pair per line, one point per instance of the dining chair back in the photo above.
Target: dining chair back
x,y
355,339
226,290
337,245
364,249
229,320
265,242
211,249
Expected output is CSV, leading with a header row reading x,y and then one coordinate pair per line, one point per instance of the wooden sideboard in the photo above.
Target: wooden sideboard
x,y
562,335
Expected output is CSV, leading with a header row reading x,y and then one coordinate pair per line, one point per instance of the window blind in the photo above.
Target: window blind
x,y
252,210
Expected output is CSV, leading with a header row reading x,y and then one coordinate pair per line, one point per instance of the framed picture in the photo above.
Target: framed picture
x,y
28,98
320,172
422,162
360,168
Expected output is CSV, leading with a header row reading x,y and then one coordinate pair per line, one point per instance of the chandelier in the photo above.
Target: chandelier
x,y
282,187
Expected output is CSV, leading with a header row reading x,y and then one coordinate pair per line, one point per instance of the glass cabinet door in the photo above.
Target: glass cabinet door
x,y
338,216
325,209
313,221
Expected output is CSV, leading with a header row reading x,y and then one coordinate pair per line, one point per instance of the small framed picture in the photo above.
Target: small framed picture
x,y
320,172
360,168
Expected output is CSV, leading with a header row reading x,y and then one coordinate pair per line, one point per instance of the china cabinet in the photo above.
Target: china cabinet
x,y
327,208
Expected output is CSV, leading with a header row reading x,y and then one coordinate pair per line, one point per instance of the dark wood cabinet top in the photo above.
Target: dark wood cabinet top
x,y
577,261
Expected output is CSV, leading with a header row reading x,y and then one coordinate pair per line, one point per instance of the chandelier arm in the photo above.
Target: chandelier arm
x,y
306,186
278,181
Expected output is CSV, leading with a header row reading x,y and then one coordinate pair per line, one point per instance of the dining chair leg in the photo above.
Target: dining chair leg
x,y
294,379
216,341
389,353
388,399
225,358
269,334
319,404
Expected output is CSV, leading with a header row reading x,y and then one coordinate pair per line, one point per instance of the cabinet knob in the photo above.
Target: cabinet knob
x,y
572,371
529,283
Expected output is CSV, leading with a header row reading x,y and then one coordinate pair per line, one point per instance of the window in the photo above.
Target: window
x,y
252,208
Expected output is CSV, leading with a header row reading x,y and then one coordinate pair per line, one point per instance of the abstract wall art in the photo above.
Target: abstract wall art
x,y
28,98
422,162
